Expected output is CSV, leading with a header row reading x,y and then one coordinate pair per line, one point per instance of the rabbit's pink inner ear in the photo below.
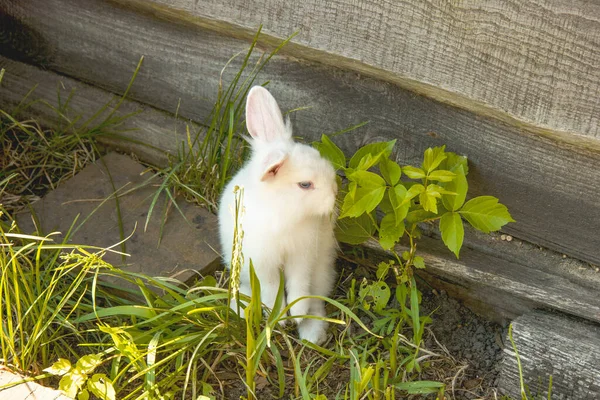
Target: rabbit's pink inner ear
x,y
273,163
272,171
263,117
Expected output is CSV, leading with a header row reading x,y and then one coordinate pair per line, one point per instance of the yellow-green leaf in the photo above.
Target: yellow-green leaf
x,y
87,364
390,232
83,395
453,232
355,230
390,171
433,157
414,191
367,179
375,293
441,176
375,150
101,387
71,382
413,172
397,197
453,161
331,152
486,214
60,367
459,186
419,262
365,201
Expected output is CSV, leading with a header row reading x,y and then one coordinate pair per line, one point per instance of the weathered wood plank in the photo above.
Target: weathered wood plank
x,y
557,345
151,133
502,280
550,187
537,61
499,279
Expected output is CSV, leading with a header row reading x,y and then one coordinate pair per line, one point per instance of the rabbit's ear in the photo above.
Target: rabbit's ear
x,y
263,117
272,163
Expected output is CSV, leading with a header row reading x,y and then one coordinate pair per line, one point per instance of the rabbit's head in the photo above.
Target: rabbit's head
x,y
289,175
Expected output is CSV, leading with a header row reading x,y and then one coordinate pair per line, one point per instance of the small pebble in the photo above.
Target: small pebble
x,y
564,256
597,269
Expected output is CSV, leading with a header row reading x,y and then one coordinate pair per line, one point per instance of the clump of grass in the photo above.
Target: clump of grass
x,y
43,287
38,159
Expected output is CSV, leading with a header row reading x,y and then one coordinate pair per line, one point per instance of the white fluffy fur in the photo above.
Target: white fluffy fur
x,y
286,228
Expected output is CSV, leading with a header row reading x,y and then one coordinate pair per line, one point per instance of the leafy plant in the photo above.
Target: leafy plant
x,y
381,197
435,191
74,378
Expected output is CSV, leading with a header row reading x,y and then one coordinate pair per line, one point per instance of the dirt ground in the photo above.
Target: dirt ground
x,y
474,343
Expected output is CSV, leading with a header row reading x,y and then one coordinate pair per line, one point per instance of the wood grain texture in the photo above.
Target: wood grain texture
x,y
551,189
538,61
553,344
149,133
498,279
503,280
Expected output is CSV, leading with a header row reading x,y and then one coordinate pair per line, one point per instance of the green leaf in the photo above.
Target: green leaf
x,y
331,152
349,197
376,294
437,190
419,262
428,200
486,214
390,170
355,230
83,395
453,232
365,201
61,367
420,387
390,232
433,157
101,387
441,175
376,150
71,382
420,215
366,162
87,364
386,205
414,191
459,186
382,270
413,172
400,206
367,179
453,161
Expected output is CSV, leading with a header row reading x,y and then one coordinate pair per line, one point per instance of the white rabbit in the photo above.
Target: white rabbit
x,y
289,201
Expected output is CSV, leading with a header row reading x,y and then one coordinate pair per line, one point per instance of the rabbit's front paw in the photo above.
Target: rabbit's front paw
x,y
300,308
313,330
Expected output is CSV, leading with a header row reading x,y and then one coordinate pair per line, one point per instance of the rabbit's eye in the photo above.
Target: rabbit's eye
x,y
305,185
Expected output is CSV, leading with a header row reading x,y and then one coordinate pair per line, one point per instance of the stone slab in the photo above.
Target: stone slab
x,y
187,245
26,391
